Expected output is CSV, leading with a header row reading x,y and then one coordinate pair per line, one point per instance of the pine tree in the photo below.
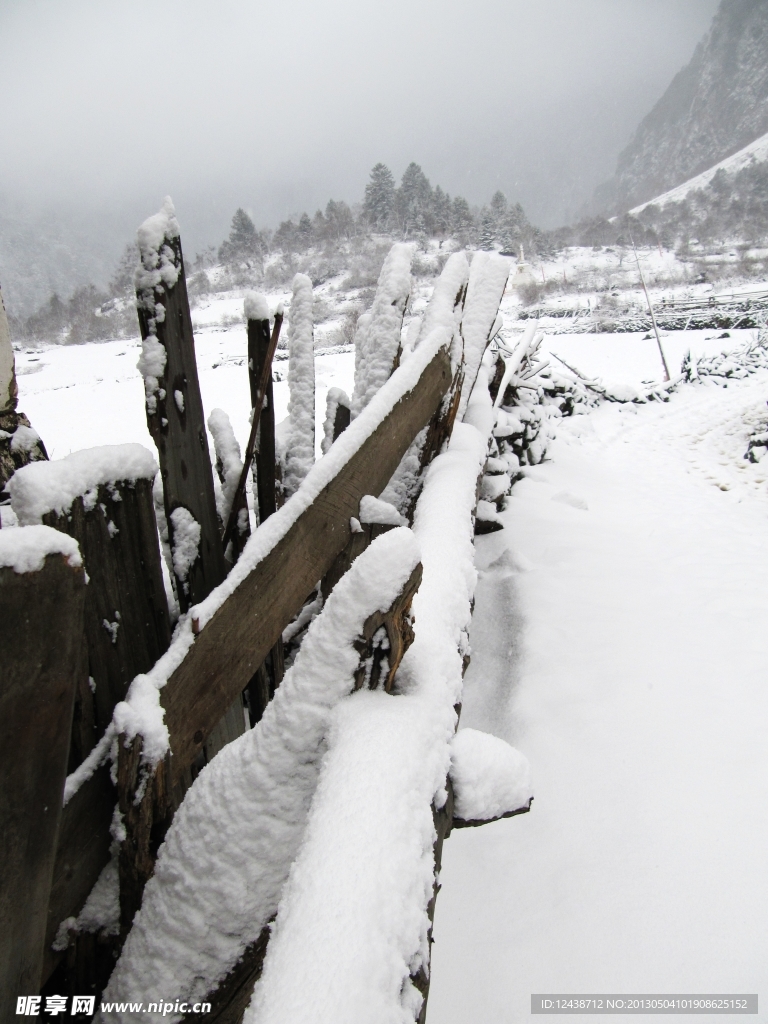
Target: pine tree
x,y
441,212
414,201
379,201
305,229
462,221
498,207
487,231
244,243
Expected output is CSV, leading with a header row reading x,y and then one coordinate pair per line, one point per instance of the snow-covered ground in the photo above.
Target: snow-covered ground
x,y
619,641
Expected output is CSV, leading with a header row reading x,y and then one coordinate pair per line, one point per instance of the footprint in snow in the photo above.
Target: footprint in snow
x,y
570,499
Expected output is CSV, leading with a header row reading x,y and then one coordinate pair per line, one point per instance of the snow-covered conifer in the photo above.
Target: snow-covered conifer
x,y
379,201
244,242
414,200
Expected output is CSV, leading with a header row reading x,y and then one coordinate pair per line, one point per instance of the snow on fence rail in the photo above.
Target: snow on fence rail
x,y
163,708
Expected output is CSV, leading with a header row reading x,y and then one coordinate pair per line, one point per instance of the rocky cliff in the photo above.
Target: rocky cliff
x,y
716,105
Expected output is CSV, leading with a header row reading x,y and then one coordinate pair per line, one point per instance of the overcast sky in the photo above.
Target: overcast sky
x,y
108,105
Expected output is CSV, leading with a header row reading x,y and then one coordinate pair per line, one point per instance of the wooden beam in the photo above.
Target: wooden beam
x,y
233,644
231,996
40,651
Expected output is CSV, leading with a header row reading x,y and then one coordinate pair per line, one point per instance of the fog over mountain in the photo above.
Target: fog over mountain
x,y
279,107
716,105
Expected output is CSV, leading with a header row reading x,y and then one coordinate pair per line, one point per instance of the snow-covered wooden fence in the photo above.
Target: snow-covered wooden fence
x,y
163,708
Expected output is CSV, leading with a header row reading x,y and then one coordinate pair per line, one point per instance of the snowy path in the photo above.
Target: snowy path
x,y
623,648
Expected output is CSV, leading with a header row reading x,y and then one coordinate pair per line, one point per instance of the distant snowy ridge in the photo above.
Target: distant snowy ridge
x,y
755,152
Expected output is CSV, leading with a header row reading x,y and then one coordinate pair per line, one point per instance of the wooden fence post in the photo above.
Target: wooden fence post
x,y
264,460
175,419
174,405
269,675
42,623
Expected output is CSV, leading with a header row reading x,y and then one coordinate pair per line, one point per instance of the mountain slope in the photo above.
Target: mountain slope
x,y
714,107
755,153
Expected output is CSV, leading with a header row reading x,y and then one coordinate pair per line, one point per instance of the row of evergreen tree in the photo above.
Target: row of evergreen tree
x,y
414,209
411,210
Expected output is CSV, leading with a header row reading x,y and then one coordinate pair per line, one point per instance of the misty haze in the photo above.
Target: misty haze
x,y
383,504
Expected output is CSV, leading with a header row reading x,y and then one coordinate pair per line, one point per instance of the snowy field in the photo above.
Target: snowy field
x,y
619,641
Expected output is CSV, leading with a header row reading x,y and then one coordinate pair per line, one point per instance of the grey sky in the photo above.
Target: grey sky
x,y
107,105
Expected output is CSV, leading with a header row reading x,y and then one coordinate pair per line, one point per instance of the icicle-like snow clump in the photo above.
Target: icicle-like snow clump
x,y
300,449
44,487
446,306
444,313
229,464
221,870
185,543
377,342
487,280
158,270
490,778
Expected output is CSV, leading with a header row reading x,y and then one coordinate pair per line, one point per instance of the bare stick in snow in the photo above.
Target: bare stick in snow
x,y
256,415
650,309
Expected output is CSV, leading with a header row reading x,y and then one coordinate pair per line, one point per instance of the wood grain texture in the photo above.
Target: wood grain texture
x,y
81,852
230,1000
233,644
264,459
40,653
178,430
121,552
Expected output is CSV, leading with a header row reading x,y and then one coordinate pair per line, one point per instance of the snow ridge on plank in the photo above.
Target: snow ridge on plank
x,y
219,875
353,922
487,280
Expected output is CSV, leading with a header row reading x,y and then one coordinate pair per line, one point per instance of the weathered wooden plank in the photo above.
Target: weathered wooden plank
x,y
265,470
126,612
443,818
230,1000
81,852
236,640
40,652
264,459
257,396
176,423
